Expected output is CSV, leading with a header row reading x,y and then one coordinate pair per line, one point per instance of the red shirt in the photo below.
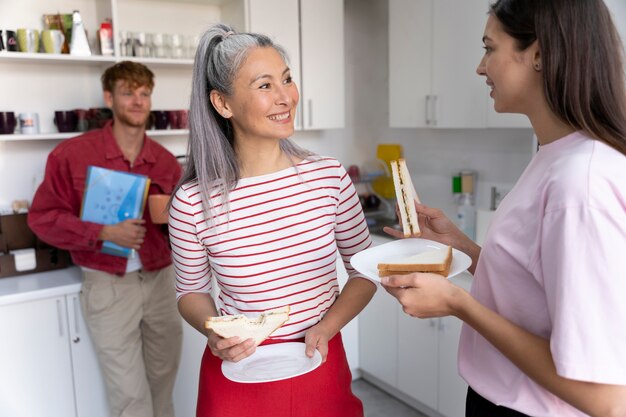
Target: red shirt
x,y
54,214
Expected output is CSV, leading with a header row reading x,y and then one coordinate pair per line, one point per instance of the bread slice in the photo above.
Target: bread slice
x,y
258,328
406,197
437,261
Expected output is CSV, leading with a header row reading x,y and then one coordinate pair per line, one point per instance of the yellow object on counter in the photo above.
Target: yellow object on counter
x,y
383,185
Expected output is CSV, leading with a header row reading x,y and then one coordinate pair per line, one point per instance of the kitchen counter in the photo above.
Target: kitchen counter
x,y
40,285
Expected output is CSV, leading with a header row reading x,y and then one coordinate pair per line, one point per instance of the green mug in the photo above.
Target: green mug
x,y
52,40
28,40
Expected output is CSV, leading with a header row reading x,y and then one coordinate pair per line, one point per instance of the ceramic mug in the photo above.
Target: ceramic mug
x,y
28,40
29,123
7,122
66,121
11,41
157,205
160,119
52,40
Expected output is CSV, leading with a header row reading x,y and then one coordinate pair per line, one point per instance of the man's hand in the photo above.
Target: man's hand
x,y
129,233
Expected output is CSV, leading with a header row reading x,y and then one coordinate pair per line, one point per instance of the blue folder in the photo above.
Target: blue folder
x,y
111,197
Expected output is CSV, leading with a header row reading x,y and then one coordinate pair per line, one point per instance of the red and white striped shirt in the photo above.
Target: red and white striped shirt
x,y
274,244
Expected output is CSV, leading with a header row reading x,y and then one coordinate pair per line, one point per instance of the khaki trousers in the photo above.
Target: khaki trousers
x,y
137,334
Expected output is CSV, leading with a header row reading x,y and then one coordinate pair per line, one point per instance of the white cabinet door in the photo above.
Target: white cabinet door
x,y
323,63
350,332
186,388
417,358
90,391
434,49
35,362
378,337
279,19
452,387
460,94
410,62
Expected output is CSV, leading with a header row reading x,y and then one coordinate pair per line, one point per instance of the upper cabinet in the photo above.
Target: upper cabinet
x,y
434,49
312,33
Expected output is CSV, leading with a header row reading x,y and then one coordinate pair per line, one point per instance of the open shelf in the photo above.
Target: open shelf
x,y
61,136
92,59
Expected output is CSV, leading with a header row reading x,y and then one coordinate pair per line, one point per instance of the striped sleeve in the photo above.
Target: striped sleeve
x,y
351,232
191,262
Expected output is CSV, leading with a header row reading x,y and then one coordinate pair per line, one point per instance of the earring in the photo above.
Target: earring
x,y
537,67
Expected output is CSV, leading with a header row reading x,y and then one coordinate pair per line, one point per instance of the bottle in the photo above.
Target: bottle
x,y
79,44
466,215
105,37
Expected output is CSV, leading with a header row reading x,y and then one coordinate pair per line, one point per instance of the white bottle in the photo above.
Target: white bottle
x,y
80,44
466,215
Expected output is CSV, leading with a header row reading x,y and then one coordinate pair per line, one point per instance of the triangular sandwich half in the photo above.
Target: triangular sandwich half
x,y
258,328
437,261
406,197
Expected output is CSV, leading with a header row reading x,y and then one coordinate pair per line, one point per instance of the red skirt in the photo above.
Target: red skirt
x,y
323,392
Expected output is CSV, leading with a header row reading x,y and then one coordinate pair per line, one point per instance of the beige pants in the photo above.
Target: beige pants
x,y
137,333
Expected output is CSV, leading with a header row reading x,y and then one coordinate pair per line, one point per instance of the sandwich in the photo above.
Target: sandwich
x,y
406,197
239,325
437,261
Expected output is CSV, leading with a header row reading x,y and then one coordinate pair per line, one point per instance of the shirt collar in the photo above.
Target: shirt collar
x,y
113,151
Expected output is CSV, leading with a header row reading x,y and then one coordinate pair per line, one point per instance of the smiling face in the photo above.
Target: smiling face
x,y
264,99
130,106
513,75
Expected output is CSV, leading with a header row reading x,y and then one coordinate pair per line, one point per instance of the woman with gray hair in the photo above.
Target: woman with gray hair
x,y
263,219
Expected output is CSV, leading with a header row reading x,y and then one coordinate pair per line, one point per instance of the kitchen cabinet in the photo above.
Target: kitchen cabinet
x,y
186,387
317,58
428,351
434,49
413,359
48,363
378,333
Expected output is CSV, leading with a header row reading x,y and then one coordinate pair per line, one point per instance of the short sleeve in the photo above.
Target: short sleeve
x,y
583,261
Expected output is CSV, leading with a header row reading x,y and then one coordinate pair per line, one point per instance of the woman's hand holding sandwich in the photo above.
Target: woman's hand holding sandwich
x,y
435,225
232,349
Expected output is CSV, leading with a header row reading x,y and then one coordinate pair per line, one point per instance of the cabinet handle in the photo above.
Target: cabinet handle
x,y
434,105
76,339
75,305
427,109
310,104
60,318
442,325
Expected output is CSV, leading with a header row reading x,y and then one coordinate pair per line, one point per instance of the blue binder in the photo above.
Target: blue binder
x,y
111,197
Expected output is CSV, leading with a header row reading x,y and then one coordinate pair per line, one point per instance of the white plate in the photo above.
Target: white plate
x,y
272,363
366,262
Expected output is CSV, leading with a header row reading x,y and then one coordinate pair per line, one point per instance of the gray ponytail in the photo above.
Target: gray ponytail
x,y
211,158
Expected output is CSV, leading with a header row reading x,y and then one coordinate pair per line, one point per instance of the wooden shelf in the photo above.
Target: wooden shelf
x,y
61,136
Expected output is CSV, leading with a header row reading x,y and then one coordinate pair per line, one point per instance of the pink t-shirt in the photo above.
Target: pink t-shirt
x,y
554,263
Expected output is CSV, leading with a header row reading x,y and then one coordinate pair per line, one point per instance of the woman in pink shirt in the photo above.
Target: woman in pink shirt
x,y
545,321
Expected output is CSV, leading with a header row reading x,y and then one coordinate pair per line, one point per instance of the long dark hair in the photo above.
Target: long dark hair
x,y
581,57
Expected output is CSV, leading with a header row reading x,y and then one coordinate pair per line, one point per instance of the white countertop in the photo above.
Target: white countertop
x,y
40,285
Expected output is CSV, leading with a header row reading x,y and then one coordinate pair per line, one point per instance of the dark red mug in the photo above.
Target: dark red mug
x,y
160,119
7,122
173,118
66,121
183,119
